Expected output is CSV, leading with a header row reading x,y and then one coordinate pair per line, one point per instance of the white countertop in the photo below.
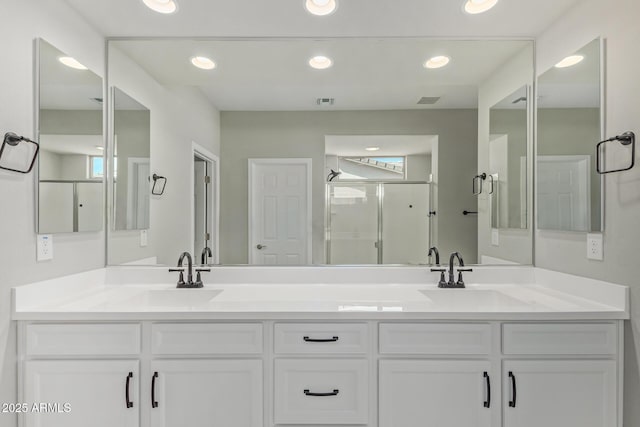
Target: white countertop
x,y
142,293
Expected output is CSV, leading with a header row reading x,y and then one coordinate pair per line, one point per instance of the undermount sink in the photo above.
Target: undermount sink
x,y
170,298
475,298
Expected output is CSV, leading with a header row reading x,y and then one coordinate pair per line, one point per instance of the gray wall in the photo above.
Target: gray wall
x,y
247,135
573,131
616,21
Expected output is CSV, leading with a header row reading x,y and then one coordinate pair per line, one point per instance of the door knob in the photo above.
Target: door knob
x,y
259,246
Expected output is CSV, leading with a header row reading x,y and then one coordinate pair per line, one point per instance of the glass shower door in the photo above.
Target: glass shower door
x,y
353,223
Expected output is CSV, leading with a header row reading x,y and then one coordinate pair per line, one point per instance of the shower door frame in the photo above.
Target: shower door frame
x,y
380,192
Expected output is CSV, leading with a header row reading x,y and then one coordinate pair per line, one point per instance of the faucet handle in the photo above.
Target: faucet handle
x,y
465,270
442,282
181,278
204,270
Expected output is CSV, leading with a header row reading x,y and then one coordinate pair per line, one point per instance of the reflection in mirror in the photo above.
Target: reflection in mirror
x,y
316,165
71,165
508,161
132,144
569,127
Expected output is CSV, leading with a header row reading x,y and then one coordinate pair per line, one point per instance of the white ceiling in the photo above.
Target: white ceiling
x,y
390,145
573,87
64,88
72,144
280,18
368,74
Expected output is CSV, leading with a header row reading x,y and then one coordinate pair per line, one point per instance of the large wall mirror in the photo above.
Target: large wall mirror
x,y
569,127
329,151
71,165
131,162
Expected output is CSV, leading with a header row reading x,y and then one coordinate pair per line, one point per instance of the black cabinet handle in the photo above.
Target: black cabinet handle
x,y
154,403
333,339
126,390
512,402
333,393
487,403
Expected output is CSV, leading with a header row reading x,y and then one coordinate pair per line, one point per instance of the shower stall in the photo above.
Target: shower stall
x,y
378,222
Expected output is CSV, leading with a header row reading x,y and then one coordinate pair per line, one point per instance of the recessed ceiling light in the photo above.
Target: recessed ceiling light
x,y
161,6
570,61
437,62
320,62
478,6
71,62
372,148
99,147
321,7
203,62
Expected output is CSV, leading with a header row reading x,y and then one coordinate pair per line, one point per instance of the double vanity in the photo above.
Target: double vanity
x,y
257,346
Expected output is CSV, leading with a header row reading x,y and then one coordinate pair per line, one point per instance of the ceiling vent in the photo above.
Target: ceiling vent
x,y
325,101
428,100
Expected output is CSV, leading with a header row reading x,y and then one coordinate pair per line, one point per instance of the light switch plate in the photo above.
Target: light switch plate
x,y
45,247
495,237
595,247
143,238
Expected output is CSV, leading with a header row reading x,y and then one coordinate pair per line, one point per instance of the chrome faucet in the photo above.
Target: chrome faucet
x,y
189,283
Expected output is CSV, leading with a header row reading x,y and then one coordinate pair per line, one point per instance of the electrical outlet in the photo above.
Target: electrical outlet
x,y
594,247
495,237
45,247
143,238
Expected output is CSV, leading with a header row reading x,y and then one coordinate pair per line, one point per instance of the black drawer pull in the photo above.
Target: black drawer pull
x,y
126,390
487,403
333,393
512,402
154,403
332,339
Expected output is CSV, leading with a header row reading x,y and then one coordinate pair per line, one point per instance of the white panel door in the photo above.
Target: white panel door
x,y
554,393
419,393
95,391
90,212
564,193
280,211
200,190
405,224
205,393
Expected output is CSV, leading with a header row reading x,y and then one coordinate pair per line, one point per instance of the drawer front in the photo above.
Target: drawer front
x,y
435,338
206,338
83,339
321,391
311,338
549,338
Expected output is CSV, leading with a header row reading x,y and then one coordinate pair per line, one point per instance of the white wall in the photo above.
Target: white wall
x,y
515,245
179,116
61,26
617,22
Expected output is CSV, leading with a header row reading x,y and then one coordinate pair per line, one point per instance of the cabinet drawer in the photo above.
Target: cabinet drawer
x,y
206,338
569,338
82,339
435,338
321,391
311,338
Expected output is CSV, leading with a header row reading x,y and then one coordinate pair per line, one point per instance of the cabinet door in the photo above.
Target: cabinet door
x,y
82,393
418,393
205,393
564,393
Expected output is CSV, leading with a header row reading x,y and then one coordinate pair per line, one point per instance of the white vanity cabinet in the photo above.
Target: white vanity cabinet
x,y
560,393
204,393
415,393
103,391
280,373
